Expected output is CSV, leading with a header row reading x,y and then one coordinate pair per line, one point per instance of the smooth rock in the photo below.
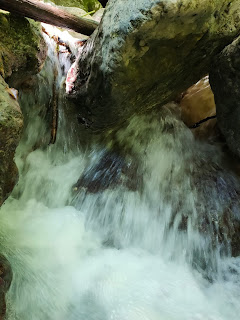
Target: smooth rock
x,y
197,103
144,53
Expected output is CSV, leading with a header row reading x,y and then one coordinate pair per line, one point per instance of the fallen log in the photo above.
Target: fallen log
x,y
50,14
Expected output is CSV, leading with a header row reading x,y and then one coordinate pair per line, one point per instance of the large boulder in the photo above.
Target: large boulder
x,y
22,53
144,53
11,122
225,83
23,49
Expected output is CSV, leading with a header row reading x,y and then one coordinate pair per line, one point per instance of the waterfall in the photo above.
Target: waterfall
x,y
124,229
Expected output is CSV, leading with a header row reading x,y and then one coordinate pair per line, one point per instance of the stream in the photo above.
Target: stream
x,y
140,243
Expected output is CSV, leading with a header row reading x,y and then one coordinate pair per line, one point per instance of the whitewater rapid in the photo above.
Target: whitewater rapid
x,y
120,253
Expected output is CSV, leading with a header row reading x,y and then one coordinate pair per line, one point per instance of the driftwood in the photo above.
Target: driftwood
x,y
50,14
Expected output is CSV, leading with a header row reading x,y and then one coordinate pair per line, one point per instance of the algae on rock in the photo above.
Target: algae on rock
x,y
144,53
87,5
22,52
22,48
11,122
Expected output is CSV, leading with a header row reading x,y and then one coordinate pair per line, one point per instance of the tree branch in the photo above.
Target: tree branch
x,y
50,14
196,125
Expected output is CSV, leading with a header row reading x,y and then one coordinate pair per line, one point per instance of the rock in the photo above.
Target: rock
x,y
78,12
218,214
87,5
112,170
23,49
225,83
197,103
23,52
153,51
97,16
5,282
11,122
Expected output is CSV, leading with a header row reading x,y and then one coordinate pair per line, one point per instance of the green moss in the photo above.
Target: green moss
x,y
19,44
87,5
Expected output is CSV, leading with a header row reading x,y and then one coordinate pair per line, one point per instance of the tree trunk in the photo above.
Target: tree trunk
x,y
47,13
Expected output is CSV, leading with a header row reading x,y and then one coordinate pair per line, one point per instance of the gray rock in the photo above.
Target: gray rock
x,y
225,83
145,52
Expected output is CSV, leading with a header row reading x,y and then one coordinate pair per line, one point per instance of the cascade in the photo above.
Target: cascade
x,y
128,228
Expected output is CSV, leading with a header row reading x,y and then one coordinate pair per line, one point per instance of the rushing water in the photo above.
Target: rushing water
x,y
141,245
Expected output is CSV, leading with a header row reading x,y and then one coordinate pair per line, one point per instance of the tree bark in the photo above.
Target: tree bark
x,y
47,13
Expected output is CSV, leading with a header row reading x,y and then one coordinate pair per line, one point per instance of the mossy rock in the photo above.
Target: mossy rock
x,y
22,47
11,123
87,5
142,58
22,52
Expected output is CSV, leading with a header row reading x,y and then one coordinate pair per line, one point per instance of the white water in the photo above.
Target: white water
x,y
117,254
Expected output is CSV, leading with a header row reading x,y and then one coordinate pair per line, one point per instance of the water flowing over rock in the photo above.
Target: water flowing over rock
x,y
225,82
11,122
22,53
110,250
144,53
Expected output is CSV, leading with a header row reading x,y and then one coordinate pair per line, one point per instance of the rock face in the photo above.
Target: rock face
x,y
23,49
11,122
22,52
144,53
225,83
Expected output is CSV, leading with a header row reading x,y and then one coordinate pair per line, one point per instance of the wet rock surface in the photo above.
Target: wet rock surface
x,y
5,282
22,54
11,123
152,52
23,49
222,224
111,171
225,83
